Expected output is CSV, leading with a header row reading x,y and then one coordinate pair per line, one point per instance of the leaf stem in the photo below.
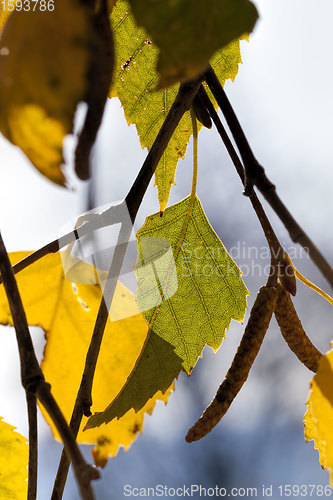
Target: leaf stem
x,y
133,200
192,198
255,174
309,283
195,155
185,224
33,379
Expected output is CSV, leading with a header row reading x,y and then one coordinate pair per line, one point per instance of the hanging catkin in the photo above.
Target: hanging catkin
x,y
247,351
293,333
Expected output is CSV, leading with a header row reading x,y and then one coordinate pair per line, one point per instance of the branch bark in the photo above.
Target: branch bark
x,y
279,263
255,175
133,200
34,383
33,445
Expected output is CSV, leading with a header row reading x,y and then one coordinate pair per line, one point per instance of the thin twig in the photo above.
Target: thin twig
x,y
99,82
133,200
279,262
272,240
255,174
138,189
33,445
98,221
33,380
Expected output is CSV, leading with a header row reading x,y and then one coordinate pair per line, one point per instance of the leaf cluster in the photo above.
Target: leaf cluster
x,y
110,355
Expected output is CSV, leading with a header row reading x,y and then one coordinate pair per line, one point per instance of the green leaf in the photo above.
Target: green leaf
x,y
156,368
14,462
204,277
134,82
189,289
188,33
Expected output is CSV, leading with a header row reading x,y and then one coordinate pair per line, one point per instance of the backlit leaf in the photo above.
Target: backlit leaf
x,y
134,82
205,278
189,289
156,368
189,33
67,313
14,461
44,61
318,420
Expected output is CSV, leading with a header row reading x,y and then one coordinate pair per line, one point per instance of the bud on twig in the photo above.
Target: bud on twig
x,y
286,274
201,112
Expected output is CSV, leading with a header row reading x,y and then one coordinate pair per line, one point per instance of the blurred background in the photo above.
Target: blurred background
x,y
282,96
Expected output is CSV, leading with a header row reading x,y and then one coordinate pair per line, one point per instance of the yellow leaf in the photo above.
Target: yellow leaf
x,y
318,420
67,313
4,14
14,462
45,57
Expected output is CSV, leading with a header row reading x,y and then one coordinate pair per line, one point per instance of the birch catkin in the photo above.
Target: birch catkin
x,y
293,333
247,351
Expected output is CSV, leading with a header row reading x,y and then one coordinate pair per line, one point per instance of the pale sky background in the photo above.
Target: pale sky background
x,y
283,98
